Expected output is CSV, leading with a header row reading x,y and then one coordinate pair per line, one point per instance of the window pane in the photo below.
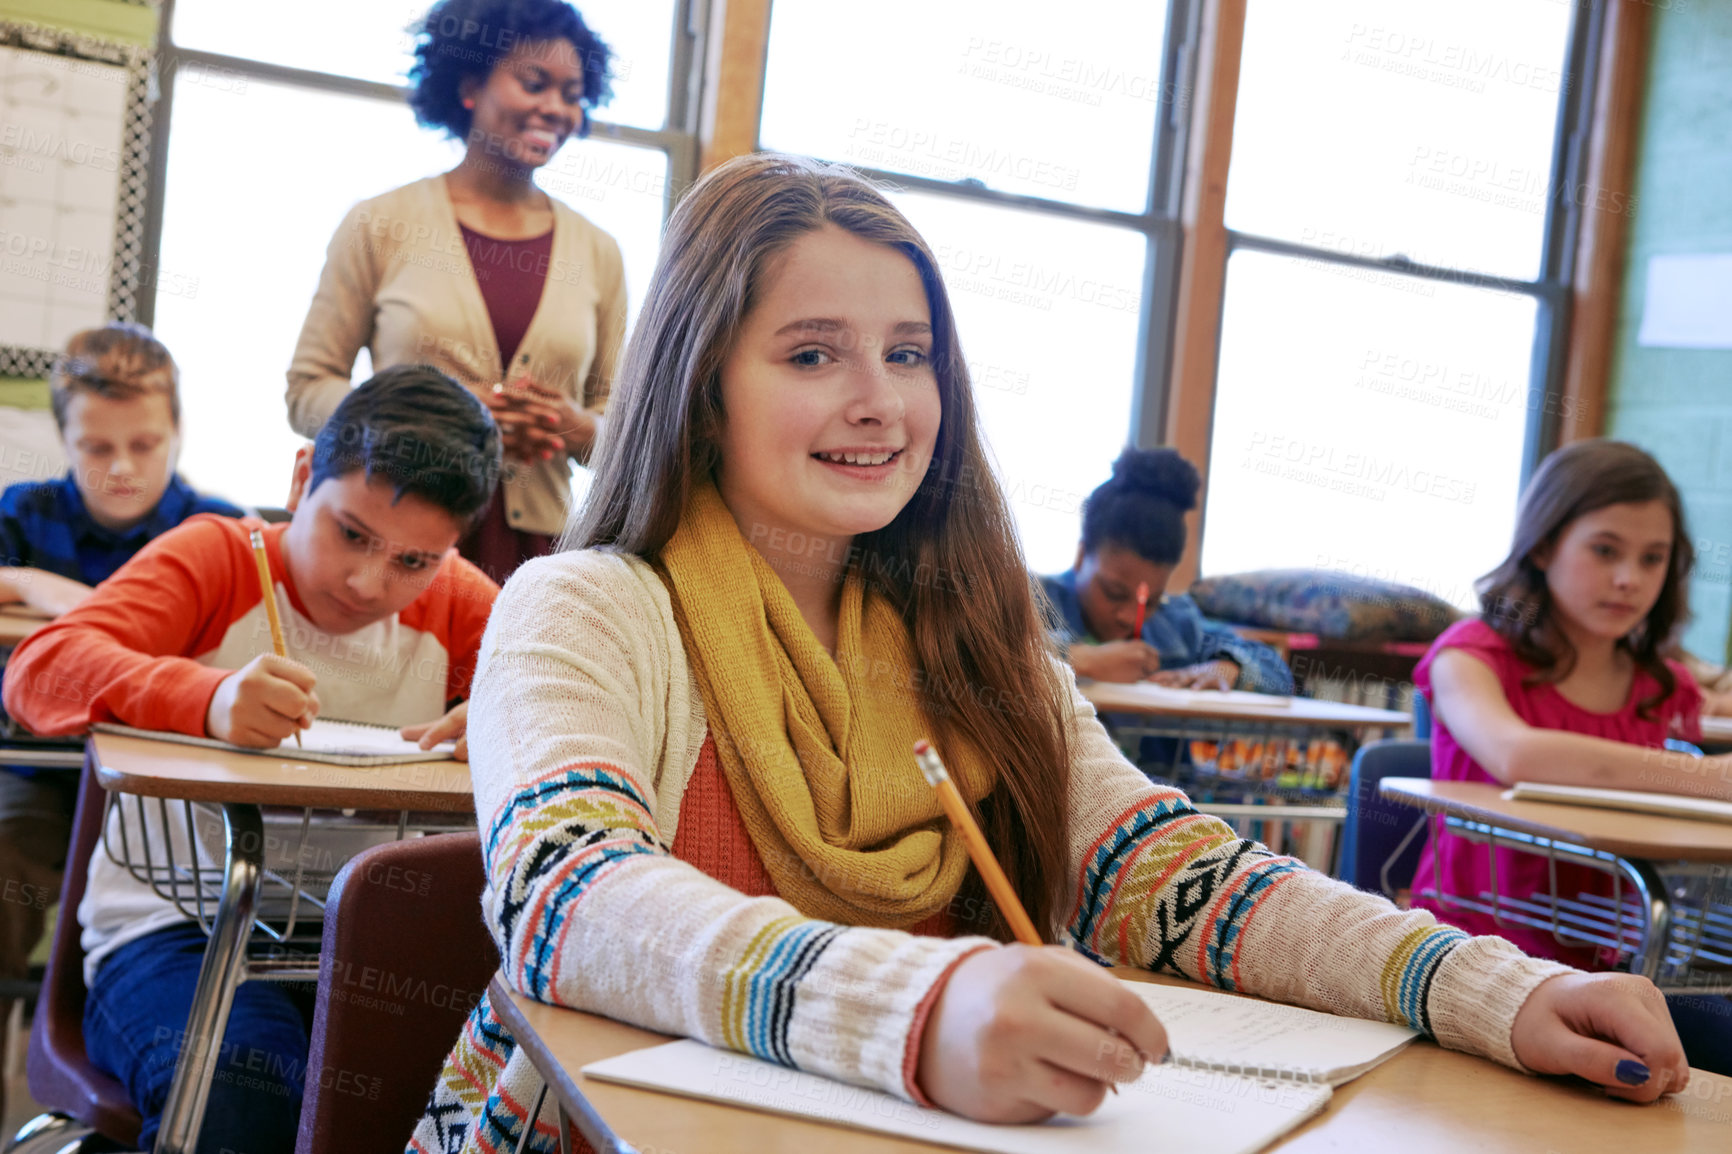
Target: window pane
x,y
246,223
373,42
1008,93
1366,422
1047,311
368,39
640,33
1423,129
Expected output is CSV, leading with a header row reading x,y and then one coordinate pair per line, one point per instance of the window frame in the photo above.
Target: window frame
x,y
1578,272
1553,288
677,138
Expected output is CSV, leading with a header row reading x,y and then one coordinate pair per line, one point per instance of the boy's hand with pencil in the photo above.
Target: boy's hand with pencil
x,y
1021,1033
453,725
263,703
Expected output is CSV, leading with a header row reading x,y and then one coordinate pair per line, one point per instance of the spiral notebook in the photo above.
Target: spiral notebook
x,y
1664,804
325,741
1243,1073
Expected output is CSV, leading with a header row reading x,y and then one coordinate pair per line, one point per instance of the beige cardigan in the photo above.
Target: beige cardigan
x,y
398,281
585,728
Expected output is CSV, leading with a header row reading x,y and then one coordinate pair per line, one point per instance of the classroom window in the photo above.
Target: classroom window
x,y
261,163
1390,320
1058,253
372,40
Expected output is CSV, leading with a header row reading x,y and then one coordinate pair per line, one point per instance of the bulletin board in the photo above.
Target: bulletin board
x,y
74,152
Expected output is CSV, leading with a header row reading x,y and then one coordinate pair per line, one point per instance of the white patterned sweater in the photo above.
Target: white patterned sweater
x,y
584,731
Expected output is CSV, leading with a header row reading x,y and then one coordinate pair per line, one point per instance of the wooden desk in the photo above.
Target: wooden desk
x,y
1148,701
241,783
17,623
1683,944
138,765
1425,1100
1633,835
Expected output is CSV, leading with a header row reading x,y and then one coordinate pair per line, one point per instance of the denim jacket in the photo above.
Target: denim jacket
x,y
1179,632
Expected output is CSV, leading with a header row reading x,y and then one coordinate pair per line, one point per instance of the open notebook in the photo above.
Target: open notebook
x,y
1244,1073
1667,804
326,741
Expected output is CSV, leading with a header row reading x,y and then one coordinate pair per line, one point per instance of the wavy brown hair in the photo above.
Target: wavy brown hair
x,y
1574,481
979,641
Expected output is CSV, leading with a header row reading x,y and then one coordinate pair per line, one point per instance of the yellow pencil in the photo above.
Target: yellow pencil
x,y
268,589
990,871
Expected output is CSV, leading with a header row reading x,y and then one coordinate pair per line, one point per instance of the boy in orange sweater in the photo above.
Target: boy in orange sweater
x,y
382,621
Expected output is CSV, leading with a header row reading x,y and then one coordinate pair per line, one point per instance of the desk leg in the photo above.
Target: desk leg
x,y
1652,889
224,968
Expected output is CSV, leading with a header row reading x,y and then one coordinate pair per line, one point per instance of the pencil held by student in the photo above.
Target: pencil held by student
x,y
268,591
682,723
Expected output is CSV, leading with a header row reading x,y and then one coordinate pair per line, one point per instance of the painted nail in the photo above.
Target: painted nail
x,y
1632,1072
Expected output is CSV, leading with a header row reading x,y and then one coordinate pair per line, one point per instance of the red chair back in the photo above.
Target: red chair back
x,y
406,957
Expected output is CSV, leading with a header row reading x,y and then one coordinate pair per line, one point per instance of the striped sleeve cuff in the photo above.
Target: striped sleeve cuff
x,y
858,1005
917,1032
1474,992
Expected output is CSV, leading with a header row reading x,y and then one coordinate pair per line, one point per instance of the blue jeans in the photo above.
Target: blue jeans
x,y
134,1020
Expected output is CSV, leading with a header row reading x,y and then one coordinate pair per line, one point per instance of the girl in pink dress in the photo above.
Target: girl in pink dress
x,y
1562,678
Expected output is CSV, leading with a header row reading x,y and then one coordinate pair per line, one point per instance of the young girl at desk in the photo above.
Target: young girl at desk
x,y
1133,535
691,738
1562,678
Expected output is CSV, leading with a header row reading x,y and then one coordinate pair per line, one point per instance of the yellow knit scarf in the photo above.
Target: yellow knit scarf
x,y
817,752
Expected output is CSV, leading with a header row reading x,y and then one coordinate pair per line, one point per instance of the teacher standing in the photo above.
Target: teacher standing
x,y
480,273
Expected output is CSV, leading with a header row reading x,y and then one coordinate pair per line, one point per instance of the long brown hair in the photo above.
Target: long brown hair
x,y
1574,481
977,634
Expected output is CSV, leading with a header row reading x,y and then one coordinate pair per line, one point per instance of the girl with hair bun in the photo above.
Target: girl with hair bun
x,y
1134,534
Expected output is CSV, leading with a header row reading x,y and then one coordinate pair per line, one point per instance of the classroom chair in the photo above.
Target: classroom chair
x,y
1375,828
406,956
82,1101
1421,717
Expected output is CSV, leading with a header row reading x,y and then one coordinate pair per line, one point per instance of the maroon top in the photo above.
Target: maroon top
x,y
511,274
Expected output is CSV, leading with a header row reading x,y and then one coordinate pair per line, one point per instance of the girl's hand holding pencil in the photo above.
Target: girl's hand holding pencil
x,y
1021,1033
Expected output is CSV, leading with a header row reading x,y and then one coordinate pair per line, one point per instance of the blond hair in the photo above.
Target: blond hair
x,y
120,360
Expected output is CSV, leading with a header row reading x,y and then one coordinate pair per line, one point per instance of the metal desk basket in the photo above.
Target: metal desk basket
x,y
177,849
1671,920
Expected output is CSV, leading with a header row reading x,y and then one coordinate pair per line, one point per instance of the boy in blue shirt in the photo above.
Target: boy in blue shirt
x,y
116,400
